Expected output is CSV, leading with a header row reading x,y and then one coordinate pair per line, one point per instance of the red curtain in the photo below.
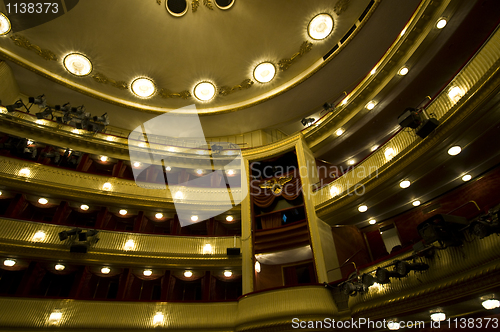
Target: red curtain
x,y
271,220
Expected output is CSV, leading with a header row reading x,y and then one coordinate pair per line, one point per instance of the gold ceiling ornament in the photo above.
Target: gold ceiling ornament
x,y
25,43
158,2
208,3
183,94
226,90
194,5
284,64
276,185
101,78
341,6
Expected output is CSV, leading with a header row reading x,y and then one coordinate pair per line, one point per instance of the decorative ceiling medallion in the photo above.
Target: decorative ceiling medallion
x,y
183,94
143,87
204,91
284,64
264,72
224,4
25,43
101,78
320,26
176,8
4,25
276,185
77,64
341,6
225,90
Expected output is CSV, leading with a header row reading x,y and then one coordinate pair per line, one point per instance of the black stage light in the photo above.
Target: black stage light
x,y
428,125
41,101
12,108
84,236
443,228
410,118
403,268
328,106
482,229
64,108
382,275
307,121
103,118
65,234
368,280
44,113
351,289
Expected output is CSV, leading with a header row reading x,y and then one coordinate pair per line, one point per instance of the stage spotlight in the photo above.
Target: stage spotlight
x,y
443,228
66,234
327,106
403,268
410,118
307,121
64,108
382,275
103,118
483,228
46,112
368,280
41,101
85,236
13,107
351,289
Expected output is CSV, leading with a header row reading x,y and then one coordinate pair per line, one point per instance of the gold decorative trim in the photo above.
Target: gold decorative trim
x,y
158,2
22,41
208,4
183,94
225,90
284,64
341,6
194,5
101,78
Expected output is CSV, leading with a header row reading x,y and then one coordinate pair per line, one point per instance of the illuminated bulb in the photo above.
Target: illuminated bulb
x,y
168,168
104,159
204,91
454,150
230,172
29,142
370,105
455,93
43,201
110,138
77,64
9,262
0,193
4,24
363,208
105,270
143,87
372,221
228,274
207,249
405,184
344,101
375,147
392,325
59,267
137,164
416,203
491,304
129,245
389,153
334,191
55,316
39,236
441,23
188,274
123,212
320,26
351,162
264,72
171,149
373,72
179,195
25,172
199,172
339,132
84,207
158,319
229,218
403,32
257,267
147,273
466,177
438,316
159,215
75,131
107,186
142,145
194,218
40,122
403,71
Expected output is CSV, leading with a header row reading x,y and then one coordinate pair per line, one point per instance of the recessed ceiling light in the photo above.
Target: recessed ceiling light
x,y
194,218
491,304
9,262
59,267
188,274
370,105
264,72
143,87
229,218
204,91
147,273
416,203
454,150
39,236
159,215
77,64
393,325
320,26
168,168
441,23
257,267
230,172
351,162
339,132
137,164
199,171
123,212
466,177
363,208
4,24
104,158
0,193
403,71
375,147
228,274
179,195
84,207
29,142
372,221
438,316
107,186
43,201
105,270
405,184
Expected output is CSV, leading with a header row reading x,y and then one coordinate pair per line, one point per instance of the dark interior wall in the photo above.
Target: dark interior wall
x,y
349,242
270,276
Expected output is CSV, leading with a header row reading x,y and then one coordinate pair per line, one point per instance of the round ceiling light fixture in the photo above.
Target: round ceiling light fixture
x,y
370,105
147,273
105,270
228,274
204,91
491,304
372,221
264,72
224,4
363,208
454,150
59,267
404,184
9,262
159,215
320,26
466,177
77,64
137,164
84,207
416,203
194,218
188,274
123,212
4,24
339,131
43,201
176,8
441,23
143,87
229,218
438,316
403,71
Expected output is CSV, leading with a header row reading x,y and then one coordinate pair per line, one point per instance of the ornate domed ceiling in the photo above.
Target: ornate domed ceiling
x,y
215,42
